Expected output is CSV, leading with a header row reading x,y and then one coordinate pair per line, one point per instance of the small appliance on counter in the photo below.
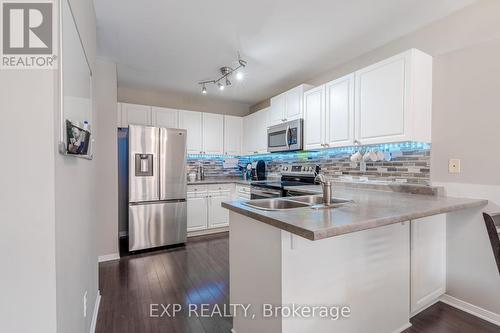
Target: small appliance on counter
x,y
258,170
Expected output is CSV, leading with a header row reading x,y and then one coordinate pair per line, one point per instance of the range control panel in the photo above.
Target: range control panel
x,y
298,169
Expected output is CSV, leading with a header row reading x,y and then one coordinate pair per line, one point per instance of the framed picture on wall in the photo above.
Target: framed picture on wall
x,y
78,139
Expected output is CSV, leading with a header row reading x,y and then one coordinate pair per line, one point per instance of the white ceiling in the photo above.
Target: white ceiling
x,y
172,44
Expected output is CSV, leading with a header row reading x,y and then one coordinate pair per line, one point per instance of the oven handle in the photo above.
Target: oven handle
x,y
253,190
287,138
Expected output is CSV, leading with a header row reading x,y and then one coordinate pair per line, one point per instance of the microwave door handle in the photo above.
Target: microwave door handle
x,y
287,138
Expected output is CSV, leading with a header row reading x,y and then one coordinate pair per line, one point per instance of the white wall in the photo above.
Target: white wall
x,y
27,207
106,158
472,274
75,203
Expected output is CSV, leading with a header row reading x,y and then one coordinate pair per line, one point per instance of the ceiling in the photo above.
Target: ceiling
x,y
170,45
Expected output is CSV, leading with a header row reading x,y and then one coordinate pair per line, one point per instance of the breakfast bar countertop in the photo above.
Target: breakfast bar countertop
x,y
368,209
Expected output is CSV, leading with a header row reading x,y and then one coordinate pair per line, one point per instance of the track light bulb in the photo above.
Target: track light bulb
x,y
228,83
239,75
204,90
221,87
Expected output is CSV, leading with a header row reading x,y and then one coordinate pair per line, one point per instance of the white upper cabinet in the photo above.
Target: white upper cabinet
x,y
255,132
329,114
192,122
314,118
287,106
164,117
293,102
213,133
276,114
393,99
339,115
135,114
261,131
233,135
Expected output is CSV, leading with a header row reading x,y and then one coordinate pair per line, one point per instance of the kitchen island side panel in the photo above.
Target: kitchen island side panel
x,y
368,271
255,272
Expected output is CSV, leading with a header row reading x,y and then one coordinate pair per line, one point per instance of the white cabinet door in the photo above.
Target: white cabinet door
x,y
218,216
293,103
381,102
134,114
260,134
213,133
340,112
233,135
255,132
197,211
192,122
276,114
428,260
249,144
164,117
314,115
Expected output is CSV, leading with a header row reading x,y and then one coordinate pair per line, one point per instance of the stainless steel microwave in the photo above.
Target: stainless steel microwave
x,y
285,137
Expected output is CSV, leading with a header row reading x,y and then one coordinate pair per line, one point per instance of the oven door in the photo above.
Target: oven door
x,y
257,192
285,137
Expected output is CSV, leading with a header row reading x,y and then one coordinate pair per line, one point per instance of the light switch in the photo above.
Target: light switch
x,y
454,165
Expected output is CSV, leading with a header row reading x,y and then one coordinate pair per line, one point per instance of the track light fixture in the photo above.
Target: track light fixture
x,y
226,72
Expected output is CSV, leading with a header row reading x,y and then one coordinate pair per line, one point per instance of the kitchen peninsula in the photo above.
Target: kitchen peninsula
x,y
381,253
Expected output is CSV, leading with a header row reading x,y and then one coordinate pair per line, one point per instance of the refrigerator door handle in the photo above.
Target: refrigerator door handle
x,y
156,202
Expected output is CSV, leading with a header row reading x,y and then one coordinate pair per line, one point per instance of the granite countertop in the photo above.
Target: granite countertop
x,y
369,209
220,181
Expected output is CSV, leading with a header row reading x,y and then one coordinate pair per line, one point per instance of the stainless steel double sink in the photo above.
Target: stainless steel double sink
x,y
311,201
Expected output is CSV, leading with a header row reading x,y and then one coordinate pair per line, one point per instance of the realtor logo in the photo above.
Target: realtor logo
x,y
28,35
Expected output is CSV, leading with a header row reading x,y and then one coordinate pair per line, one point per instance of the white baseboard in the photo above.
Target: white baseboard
x,y
474,310
438,299
93,323
207,232
405,327
109,257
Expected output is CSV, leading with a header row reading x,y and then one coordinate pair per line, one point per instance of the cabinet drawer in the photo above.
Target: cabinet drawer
x,y
220,187
243,197
196,191
242,189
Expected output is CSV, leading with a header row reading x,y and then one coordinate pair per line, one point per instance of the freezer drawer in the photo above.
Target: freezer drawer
x,y
157,224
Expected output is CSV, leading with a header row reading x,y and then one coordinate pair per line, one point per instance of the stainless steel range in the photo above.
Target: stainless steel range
x,y
294,175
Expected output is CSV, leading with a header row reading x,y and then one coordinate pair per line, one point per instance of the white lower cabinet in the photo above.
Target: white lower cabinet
x,y
428,261
204,210
197,208
217,216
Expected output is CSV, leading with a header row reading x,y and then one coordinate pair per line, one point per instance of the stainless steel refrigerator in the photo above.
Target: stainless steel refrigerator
x,y
157,187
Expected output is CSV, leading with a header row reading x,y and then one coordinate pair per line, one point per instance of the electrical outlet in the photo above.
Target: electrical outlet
x,y
454,165
85,304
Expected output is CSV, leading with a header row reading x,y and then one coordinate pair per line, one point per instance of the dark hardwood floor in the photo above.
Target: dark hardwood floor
x,y
197,274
